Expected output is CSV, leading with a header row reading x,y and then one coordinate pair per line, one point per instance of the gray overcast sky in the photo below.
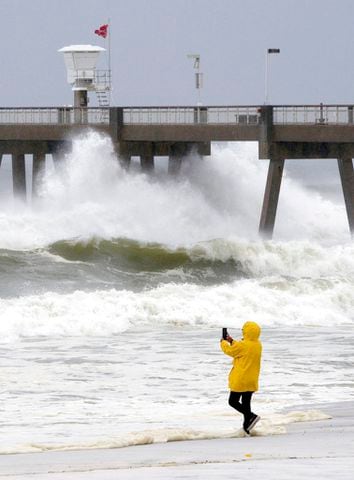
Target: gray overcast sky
x,y
151,38
150,42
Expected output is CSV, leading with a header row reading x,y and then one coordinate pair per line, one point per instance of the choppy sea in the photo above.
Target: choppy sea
x,y
114,286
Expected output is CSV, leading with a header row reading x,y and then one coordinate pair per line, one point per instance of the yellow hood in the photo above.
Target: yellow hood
x,y
251,331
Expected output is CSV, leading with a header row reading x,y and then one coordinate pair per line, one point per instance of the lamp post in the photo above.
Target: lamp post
x,y
198,74
198,83
268,52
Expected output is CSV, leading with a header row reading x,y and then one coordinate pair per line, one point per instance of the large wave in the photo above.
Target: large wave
x,y
123,264
233,256
219,197
194,236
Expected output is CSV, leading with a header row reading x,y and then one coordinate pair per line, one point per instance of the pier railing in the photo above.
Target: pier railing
x,y
54,116
313,114
131,115
191,115
214,115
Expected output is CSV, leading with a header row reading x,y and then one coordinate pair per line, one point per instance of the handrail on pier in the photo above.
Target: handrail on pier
x,y
191,115
54,116
313,114
181,115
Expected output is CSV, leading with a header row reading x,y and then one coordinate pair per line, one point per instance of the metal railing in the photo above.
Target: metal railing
x,y
158,115
313,114
103,80
92,79
190,115
245,115
54,116
132,115
216,115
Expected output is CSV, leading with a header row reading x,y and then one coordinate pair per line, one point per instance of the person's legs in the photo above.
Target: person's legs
x,y
234,401
250,418
246,405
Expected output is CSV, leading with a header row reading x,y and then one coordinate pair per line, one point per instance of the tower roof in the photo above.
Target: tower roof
x,y
82,48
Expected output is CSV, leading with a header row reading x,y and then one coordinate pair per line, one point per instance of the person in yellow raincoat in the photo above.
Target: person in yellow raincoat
x,y
243,377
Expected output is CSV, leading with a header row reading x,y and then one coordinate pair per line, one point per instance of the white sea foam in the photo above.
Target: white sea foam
x,y
217,198
291,259
268,426
271,301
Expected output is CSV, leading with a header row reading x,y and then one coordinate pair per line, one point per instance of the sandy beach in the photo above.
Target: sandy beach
x,y
321,449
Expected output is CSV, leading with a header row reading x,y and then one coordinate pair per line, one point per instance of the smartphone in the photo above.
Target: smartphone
x,y
224,333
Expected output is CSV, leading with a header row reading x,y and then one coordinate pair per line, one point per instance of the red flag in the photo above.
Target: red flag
x,y
102,31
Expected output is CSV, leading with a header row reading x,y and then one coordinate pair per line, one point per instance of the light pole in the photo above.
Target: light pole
x,y
198,74
268,52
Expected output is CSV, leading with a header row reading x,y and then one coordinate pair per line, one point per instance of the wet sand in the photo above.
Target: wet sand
x,y
321,449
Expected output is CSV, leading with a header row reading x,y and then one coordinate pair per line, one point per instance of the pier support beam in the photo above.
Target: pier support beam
x,y
147,152
19,175
122,154
271,197
59,150
56,160
147,162
147,157
174,165
346,172
177,152
125,160
38,169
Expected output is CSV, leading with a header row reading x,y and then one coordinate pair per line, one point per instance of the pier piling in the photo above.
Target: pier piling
x,y
345,166
177,152
125,161
19,176
147,163
38,169
174,165
271,197
147,157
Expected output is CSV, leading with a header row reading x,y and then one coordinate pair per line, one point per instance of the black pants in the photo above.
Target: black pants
x,y
244,406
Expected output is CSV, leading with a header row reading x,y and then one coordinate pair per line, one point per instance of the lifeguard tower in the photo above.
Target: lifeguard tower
x,y
80,62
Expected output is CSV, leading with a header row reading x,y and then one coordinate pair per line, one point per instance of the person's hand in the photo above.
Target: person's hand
x,y
228,339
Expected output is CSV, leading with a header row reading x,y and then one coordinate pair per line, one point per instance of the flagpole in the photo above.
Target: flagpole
x,y
109,56
106,76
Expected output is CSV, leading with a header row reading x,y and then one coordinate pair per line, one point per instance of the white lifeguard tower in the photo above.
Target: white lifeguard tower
x,y
80,62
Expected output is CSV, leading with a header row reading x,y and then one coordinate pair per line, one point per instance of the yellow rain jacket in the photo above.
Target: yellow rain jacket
x,y
246,353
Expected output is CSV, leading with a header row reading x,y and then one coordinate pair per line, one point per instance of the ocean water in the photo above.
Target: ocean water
x,y
114,287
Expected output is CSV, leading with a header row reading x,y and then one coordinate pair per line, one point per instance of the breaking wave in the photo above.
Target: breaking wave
x,y
90,196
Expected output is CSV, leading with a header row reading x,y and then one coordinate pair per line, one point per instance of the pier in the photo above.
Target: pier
x,y
282,132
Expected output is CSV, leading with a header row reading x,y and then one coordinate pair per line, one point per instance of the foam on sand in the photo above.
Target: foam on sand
x,y
313,450
268,426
